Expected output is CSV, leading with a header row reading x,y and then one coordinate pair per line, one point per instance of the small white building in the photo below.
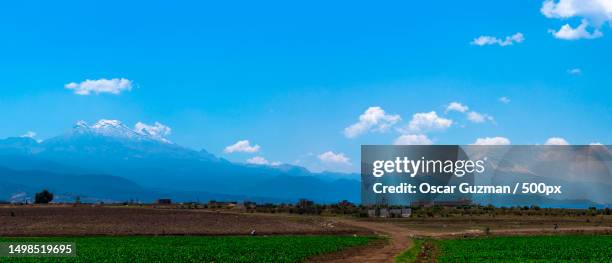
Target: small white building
x,y
384,212
406,212
371,212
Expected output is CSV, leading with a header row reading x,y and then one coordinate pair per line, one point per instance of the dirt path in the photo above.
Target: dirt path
x,y
400,238
398,242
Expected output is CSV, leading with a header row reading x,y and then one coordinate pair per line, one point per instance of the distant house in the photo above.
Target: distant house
x,y
216,204
389,212
164,201
383,212
239,206
371,212
406,212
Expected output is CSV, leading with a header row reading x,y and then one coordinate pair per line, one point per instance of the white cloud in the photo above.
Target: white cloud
x,y
504,100
472,116
314,164
566,32
29,134
331,157
258,160
492,141
478,117
242,146
598,11
157,131
556,141
375,119
490,40
515,168
595,143
475,117
594,13
412,139
574,71
428,121
456,106
112,86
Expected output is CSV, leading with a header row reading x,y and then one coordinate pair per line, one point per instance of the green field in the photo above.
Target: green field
x,y
527,249
195,249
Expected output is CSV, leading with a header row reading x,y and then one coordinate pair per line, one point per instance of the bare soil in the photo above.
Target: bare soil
x,y
507,225
398,241
99,220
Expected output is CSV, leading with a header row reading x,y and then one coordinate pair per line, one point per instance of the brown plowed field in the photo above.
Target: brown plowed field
x,y
89,220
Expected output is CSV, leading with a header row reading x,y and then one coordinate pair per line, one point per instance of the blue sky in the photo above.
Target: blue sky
x,y
290,77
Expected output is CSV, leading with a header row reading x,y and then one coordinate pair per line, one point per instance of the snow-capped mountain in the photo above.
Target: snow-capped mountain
x,y
143,155
108,141
115,128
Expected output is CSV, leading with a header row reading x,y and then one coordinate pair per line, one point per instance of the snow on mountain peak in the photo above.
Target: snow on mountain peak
x,y
157,131
103,123
115,128
80,124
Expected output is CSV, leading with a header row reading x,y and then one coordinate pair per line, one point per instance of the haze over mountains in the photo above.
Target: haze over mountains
x,y
109,161
584,173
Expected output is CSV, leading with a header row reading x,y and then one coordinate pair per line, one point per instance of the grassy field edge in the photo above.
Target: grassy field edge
x,y
410,254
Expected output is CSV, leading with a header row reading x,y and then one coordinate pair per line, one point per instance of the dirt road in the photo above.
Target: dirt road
x,y
399,240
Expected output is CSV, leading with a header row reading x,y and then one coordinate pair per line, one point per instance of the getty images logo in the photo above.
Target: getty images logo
x,y
404,165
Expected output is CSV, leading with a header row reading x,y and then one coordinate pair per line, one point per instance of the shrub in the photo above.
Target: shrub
x,y
43,197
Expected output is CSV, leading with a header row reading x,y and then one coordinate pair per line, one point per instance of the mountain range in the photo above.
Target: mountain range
x,y
109,161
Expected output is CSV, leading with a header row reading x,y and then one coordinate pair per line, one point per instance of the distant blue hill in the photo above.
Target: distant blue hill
x,y
109,161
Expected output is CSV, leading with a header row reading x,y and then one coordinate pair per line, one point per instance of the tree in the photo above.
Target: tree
x,y
43,197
